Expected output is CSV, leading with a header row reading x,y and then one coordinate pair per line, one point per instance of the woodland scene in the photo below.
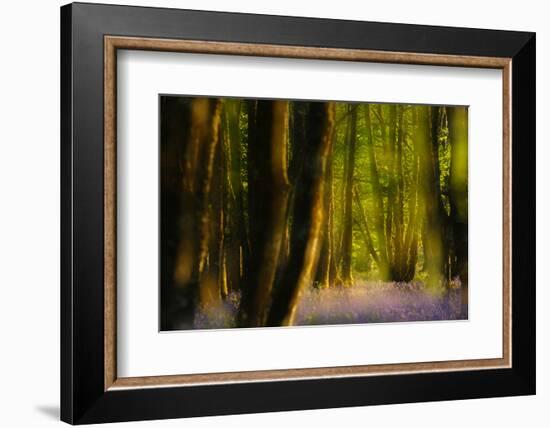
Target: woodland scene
x,y
289,213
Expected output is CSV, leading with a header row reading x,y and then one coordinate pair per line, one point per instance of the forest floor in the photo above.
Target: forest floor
x,y
375,302
365,302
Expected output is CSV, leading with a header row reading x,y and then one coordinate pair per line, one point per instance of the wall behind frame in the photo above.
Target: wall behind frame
x,y
29,217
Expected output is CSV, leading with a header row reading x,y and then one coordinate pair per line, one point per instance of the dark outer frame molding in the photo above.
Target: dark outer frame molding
x,y
83,398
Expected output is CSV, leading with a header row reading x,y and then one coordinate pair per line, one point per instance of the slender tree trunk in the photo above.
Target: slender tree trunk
x,y
437,117
268,196
400,249
458,194
365,229
236,238
340,232
411,234
307,216
377,197
434,257
414,228
254,195
323,277
223,282
297,138
333,274
347,227
389,141
197,166
214,285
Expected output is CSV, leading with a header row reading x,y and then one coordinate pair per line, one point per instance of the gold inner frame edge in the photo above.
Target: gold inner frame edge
x,y
113,43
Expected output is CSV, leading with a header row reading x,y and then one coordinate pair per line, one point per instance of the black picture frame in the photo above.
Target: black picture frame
x,y
83,396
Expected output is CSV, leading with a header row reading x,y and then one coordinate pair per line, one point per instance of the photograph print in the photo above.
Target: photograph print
x,y
297,213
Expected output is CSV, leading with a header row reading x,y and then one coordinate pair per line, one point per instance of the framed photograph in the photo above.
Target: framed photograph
x,y
265,213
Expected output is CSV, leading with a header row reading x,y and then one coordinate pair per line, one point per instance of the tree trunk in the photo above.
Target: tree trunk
x,y
236,238
197,165
175,118
297,140
347,227
365,229
437,115
458,192
434,257
377,197
411,234
333,274
398,210
389,141
214,286
268,196
340,231
323,277
307,216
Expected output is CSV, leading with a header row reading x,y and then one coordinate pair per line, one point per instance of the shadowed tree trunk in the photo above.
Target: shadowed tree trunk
x,y
196,175
268,196
434,257
437,117
298,136
253,191
338,247
411,234
399,259
214,285
236,236
297,139
458,193
175,117
402,240
307,216
347,227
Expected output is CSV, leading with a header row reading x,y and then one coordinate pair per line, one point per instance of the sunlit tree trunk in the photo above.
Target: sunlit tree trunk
x,y
334,275
268,196
196,165
458,192
214,285
323,277
307,216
